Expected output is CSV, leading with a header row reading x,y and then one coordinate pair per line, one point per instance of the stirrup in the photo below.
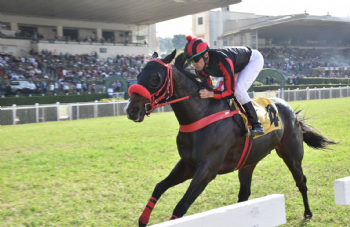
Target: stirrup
x,y
256,131
248,133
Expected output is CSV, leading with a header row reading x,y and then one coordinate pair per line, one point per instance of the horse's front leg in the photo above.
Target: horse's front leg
x,y
205,173
245,179
179,174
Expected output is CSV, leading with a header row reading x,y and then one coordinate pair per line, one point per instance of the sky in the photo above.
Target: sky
x,y
336,8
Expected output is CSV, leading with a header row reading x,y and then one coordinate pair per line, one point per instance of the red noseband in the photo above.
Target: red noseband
x,y
140,90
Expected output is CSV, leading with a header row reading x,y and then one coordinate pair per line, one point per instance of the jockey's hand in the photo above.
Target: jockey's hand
x,y
204,94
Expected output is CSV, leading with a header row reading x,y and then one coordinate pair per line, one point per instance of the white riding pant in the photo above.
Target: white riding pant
x,y
246,77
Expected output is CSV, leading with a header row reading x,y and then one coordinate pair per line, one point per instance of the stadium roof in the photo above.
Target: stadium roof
x,y
296,26
114,11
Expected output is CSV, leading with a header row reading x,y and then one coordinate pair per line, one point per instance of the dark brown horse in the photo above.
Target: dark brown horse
x,y
216,148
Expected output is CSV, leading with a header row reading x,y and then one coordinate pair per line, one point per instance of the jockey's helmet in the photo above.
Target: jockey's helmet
x,y
195,47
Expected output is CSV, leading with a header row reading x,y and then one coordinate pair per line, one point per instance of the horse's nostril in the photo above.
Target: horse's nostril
x,y
134,110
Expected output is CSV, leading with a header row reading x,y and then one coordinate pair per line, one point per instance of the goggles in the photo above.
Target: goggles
x,y
197,57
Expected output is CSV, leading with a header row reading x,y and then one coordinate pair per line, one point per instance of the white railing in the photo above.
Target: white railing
x,y
61,111
74,111
305,94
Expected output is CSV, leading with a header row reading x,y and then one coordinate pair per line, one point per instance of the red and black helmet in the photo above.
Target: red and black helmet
x,y
195,47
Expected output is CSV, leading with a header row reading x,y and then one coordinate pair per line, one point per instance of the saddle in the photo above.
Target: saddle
x,y
267,113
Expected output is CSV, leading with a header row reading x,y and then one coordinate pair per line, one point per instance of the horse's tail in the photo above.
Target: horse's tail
x,y
310,136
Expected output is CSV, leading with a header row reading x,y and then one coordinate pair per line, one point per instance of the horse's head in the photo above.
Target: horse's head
x,y
152,80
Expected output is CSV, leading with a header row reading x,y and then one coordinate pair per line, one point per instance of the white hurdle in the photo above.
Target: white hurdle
x,y
266,211
342,191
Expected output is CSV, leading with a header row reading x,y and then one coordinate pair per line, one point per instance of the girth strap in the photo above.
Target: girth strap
x,y
246,151
217,117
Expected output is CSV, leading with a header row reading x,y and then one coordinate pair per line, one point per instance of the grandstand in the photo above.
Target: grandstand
x,y
299,45
115,37
85,41
82,27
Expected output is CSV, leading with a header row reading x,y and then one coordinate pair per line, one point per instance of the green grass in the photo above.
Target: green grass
x,y
101,172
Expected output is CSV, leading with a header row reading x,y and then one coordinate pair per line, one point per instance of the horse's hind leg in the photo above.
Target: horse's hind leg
x,y
245,179
179,174
291,150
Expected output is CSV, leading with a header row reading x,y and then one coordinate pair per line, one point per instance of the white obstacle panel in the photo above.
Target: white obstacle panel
x,y
266,211
342,191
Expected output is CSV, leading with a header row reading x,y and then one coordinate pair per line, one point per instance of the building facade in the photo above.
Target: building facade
x,y
20,34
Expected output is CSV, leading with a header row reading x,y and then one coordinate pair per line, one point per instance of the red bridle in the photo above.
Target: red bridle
x,y
158,96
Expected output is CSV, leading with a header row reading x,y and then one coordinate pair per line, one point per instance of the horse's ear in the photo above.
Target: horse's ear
x,y
169,58
154,55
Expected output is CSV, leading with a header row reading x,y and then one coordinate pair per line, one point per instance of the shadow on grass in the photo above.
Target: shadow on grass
x,y
304,222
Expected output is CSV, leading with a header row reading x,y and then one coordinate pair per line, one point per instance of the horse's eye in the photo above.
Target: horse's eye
x,y
155,80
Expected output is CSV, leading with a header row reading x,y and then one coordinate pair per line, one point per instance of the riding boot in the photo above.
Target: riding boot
x,y
257,128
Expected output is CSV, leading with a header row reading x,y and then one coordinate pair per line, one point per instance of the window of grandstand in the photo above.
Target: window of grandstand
x,y
5,26
70,34
28,31
108,35
140,39
200,20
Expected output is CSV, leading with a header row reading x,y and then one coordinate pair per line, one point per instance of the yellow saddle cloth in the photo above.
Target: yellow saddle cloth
x,y
267,113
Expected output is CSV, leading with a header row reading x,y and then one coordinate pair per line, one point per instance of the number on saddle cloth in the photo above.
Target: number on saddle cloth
x,y
274,119
268,115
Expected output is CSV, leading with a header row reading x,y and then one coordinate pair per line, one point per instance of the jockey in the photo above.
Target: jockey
x,y
225,63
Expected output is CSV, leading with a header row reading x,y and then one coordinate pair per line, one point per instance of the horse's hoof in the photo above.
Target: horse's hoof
x,y
308,216
142,224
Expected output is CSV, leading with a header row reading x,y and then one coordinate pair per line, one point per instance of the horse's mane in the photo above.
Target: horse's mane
x,y
181,65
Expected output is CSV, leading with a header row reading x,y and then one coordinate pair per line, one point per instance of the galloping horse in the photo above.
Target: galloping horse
x,y
216,148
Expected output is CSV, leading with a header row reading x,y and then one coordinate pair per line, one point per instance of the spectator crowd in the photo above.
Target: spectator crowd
x,y
50,67
52,72
304,62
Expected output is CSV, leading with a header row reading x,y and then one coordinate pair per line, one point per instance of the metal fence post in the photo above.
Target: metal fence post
x,y
113,103
43,114
58,110
77,111
347,93
70,110
14,113
315,92
95,109
339,91
307,93
282,93
253,94
330,92
118,104
37,112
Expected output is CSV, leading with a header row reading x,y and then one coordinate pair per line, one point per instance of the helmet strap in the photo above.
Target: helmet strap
x,y
205,59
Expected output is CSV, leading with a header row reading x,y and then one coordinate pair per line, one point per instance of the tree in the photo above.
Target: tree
x,y
165,45
179,41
